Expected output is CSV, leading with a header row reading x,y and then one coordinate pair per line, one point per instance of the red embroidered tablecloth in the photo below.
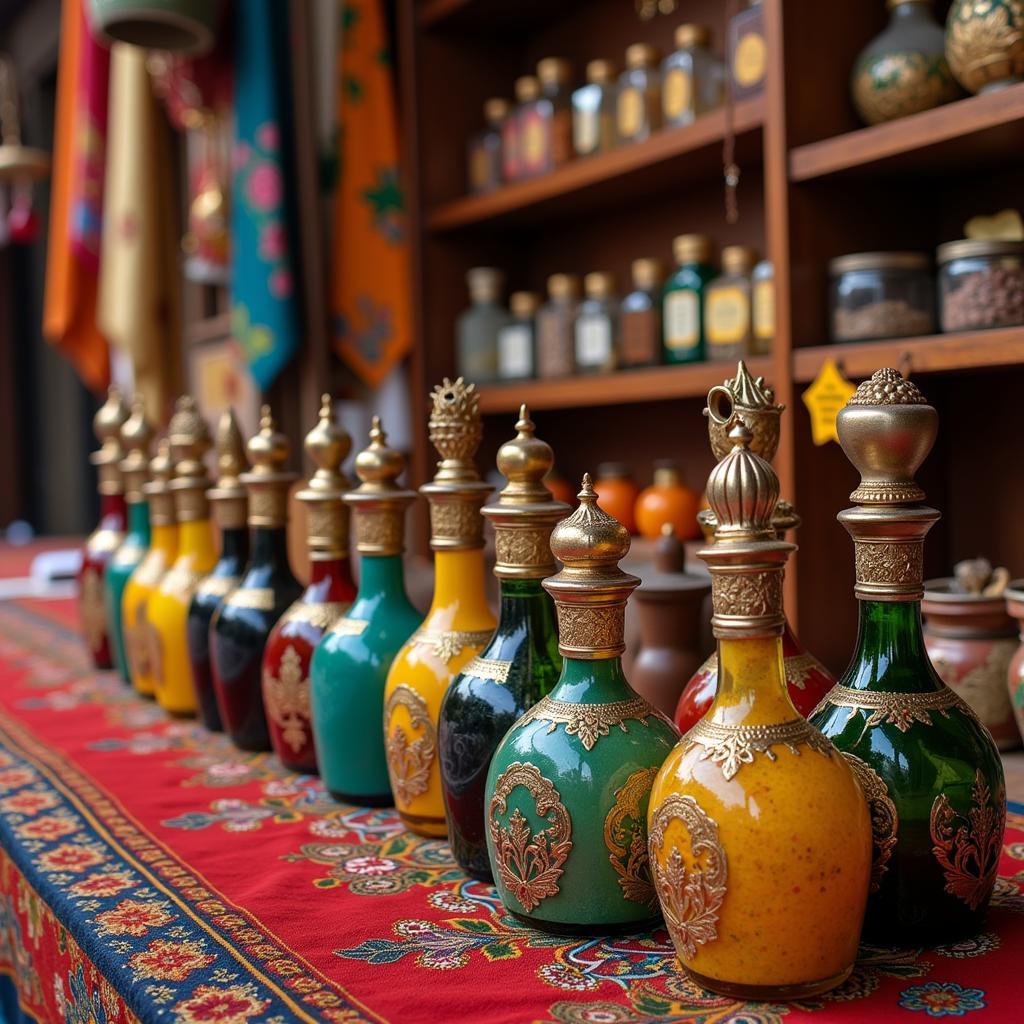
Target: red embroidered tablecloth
x,y
150,871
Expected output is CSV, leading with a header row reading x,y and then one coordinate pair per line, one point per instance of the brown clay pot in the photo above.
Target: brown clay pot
x,y
1014,595
971,639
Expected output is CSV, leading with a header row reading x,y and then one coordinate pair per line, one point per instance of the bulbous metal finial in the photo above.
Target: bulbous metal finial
x,y
268,449
742,490
524,462
455,429
328,445
231,460
589,539
109,418
378,466
189,438
136,435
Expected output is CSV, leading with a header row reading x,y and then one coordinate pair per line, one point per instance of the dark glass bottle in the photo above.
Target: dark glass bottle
x,y
929,768
521,663
682,300
230,505
240,626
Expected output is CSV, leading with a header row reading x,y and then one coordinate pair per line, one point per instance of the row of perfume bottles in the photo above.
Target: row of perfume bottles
x,y
761,846
696,313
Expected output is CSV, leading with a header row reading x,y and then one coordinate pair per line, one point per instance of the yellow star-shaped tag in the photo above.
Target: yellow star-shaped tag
x,y
824,398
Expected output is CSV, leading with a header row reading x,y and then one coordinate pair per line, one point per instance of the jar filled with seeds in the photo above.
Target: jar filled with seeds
x,y
981,284
881,295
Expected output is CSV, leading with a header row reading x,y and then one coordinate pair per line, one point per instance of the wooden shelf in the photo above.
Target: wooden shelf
x,y
970,350
971,132
649,384
620,175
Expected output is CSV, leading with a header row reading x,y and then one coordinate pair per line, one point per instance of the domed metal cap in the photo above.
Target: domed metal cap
x,y
157,490
107,423
230,498
268,449
190,441
268,481
742,490
378,466
327,444
136,435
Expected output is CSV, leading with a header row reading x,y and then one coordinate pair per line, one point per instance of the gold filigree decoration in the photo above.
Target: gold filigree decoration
x,y
746,593
889,562
884,817
590,721
409,761
524,548
92,609
381,531
286,697
899,709
984,43
456,520
260,598
589,627
322,614
154,643
487,668
691,895
967,848
449,643
346,626
625,836
137,642
217,586
733,746
180,581
798,669
529,863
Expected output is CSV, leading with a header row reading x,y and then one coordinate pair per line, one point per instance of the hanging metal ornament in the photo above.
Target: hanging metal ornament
x,y
18,163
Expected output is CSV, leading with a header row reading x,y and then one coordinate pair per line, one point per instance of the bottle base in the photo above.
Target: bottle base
x,y
423,825
769,993
565,928
358,800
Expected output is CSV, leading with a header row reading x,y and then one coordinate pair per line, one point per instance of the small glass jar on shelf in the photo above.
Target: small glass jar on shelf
x,y
640,316
682,301
517,358
748,55
981,284
527,89
763,302
728,323
551,146
485,156
692,77
593,110
881,295
555,327
638,104
597,349
477,327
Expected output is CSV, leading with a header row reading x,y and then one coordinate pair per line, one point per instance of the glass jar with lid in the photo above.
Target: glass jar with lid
x,y
527,89
555,322
555,108
728,323
981,284
692,78
748,53
881,295
477,328
484,158
638,104
682,300
593,110
640,316
596,325
516,348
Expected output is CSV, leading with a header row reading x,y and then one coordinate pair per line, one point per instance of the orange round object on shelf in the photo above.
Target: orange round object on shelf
x,y
668,500
616,493
560,488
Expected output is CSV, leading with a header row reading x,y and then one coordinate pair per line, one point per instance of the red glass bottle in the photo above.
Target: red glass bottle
x,y
330,592
109,532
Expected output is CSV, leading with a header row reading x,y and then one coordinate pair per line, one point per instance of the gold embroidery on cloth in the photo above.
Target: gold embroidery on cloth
x,y
286,696
899,709
691,890
529,864
884,817
625,836
487,668
322,614
93,610
733,746
409,762
450,643
590,721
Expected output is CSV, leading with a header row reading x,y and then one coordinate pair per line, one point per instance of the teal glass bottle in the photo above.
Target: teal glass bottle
x,y
682,300
350,664
569,785
521,663
136,434
930,769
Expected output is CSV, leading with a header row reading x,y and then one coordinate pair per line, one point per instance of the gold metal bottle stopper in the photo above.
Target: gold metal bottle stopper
x,y
229,498
887,430
456,492
136,434
378,503
525,512
591,591
107,424
268,481
189,437
328,445
157,490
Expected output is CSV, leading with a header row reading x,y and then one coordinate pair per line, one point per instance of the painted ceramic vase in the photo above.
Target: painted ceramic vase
x,y
459,622
141,641
240,626
521,663
230,504
167,609
985,43
290,646
568,787
350,664
1014,595
101,544
930,768
760,838
135,437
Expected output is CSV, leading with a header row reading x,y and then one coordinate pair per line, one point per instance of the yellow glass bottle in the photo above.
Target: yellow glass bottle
x,y
759,834
139,638
168,607
459,622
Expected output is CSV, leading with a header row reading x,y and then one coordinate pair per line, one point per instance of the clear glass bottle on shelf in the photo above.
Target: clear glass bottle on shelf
x,y
596,329
728,324
555,321
553,146
477,327
692,78
593,110
682,299
748,55
516,340
527,89
484,158
763,303
640,316
638,104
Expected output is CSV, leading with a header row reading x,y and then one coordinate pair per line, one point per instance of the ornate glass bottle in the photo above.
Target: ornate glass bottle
x,y
459,622
350,665
568,787
931,771
109,533
330,591
240,626
140,639
135,437
168,606
760,839
521,663
230,505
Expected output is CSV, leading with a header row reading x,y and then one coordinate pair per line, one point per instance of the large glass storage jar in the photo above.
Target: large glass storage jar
x,y
881,295
981,284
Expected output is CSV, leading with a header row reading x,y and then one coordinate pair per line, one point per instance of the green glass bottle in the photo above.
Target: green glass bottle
x,y
569,785
350,664
930,769
521,664
682,300
136,433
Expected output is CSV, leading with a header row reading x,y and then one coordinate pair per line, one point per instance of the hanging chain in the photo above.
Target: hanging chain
x,y
730,168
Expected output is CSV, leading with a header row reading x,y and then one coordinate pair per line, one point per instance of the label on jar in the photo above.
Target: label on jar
x,y
676,94
554,344
532,136
639,333
727,315
682,320
593,340
764,310
585,131
630,109
515,351
748,62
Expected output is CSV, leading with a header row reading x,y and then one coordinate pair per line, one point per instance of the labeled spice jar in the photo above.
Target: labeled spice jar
x,y
748,55
477,327
692,77
593,110
596,329
516,349
638,105
484,156
527,89
682,299
640,316
616,492
981,284
763,279
555,322
728,324
547,138
881,295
